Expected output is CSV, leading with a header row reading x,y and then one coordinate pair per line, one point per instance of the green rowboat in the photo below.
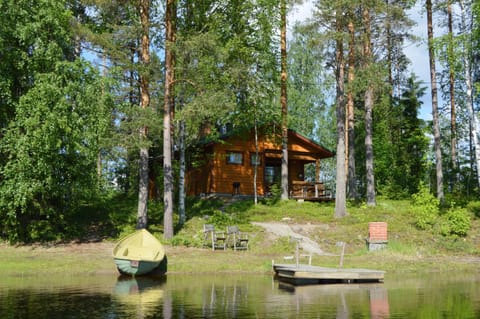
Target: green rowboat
x,y
138,253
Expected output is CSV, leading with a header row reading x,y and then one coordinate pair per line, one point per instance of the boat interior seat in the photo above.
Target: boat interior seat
x,y
140,253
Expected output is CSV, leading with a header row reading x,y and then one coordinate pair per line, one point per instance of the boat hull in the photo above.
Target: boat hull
x,y
138,254
135,268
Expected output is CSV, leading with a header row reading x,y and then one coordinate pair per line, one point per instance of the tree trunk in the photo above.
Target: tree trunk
x,y
368,98
144,6
435,116
170,16
255,172
475,129
350,139
283,98
340,194
181,177
451,71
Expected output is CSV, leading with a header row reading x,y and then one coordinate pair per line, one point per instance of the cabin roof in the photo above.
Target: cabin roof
x,y
318,148
305,145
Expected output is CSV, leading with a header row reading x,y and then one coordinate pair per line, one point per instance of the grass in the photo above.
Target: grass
x,y
409,249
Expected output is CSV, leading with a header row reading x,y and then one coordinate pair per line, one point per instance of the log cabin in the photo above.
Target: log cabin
x,y
228,166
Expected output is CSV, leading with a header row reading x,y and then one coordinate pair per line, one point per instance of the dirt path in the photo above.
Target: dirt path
x,y
294,231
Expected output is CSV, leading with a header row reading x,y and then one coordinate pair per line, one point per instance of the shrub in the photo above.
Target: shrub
x,y
425,208
456,222
221,219
474,207
275,195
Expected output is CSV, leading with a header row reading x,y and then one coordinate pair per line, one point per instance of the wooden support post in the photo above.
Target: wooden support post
x,y
341,244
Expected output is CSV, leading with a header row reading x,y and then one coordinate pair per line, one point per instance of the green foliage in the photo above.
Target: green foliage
x,y
52,148
456,222
191,234
222,220
401,144
202,207
425,208
275,195
474,207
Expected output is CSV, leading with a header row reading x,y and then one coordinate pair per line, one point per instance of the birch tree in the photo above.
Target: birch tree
x,y
466,57
340,194
170,16
435,113
368,101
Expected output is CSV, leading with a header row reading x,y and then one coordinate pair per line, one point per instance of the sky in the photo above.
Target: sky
x,y
416,52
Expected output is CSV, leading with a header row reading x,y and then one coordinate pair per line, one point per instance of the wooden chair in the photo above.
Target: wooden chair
x,y
213,238
236,238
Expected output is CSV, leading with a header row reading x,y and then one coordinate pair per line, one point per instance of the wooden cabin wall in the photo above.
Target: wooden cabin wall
x,y
225,174
217,176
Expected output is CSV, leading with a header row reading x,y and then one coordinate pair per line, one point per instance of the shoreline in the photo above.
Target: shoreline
x,y
74,259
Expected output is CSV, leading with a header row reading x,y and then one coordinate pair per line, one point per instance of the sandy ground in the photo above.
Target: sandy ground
x,y
295,232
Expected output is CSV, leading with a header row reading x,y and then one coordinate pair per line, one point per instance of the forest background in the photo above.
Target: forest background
x,y
103,102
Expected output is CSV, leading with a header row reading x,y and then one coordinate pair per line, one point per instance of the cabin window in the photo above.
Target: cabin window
x,y
255,160
234,158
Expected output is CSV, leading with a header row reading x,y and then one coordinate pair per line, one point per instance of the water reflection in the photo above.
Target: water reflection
x,y
341,297
379,308
246,296
139,296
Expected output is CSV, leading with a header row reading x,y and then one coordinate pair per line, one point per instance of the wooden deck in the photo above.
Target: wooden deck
x,y
310,191
305,274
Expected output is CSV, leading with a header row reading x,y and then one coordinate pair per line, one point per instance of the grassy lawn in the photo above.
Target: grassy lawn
x,y
409,248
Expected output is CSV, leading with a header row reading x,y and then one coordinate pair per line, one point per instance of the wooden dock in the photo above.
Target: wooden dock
x,y
305,274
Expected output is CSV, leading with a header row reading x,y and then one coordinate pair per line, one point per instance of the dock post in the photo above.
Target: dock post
x,y
297,249
297,254
341,244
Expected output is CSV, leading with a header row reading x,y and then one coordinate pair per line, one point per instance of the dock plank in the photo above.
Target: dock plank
x,y
315,274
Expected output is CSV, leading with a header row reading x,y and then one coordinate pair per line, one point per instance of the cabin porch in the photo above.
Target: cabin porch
x,y
310,191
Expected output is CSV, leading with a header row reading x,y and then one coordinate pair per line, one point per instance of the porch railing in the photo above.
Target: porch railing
x,y
309,190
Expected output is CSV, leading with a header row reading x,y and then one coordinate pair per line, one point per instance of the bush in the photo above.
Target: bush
x,y
221,219
275,195
425,208
456,222
474,207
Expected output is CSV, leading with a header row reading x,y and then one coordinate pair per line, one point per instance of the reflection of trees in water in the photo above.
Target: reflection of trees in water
x,y
342,309
379,308
346,299
223,300
167,306
226,299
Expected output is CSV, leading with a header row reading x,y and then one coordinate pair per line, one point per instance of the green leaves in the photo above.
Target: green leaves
x,y
425,207
52,149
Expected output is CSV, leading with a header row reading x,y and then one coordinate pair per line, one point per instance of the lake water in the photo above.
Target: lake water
x,y
442,295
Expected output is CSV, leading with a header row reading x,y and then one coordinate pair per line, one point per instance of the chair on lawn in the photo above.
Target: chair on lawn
x,y
213,238
236,238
